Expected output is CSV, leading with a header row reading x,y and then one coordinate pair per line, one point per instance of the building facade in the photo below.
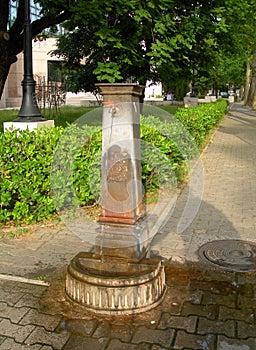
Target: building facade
x,y
43,66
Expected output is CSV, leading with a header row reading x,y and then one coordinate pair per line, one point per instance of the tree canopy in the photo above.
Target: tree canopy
x,y
172,41
166,40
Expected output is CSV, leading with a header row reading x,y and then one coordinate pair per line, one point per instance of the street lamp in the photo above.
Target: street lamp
x,y
29,111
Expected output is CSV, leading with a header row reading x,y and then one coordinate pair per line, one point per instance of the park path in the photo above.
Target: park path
x,y
228,202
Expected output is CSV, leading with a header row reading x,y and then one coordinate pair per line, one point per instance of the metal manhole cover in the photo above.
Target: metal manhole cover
x,y
231,254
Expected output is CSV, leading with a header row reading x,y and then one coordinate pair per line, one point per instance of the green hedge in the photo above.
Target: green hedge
x,y
28,176
200,120
25,163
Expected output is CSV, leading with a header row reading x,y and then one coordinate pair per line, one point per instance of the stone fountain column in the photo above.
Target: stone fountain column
x,y
117,278
122,232
121,169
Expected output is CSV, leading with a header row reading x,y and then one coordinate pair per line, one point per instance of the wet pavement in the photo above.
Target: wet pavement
x,y
205,307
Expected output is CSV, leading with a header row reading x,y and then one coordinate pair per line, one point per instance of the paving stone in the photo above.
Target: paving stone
x,y
246,290
40,335
85,343
216,327
244,300
174,302
11,297
248,277
116,344
28,300
153,336
194,341
119,331
10,344
31,288
225,343
83,327
225,300
156,347
13,313
226,313
219,287
208,311
19,333
34,317
22,287
196,297
178,322
245,330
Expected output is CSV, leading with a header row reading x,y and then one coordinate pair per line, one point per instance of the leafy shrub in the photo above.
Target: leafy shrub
x,y
25,162
33,164
200,120
163,156
76,167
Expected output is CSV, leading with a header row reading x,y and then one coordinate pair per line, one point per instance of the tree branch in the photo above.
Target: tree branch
x,y
17,26
16,42
48,21
4,10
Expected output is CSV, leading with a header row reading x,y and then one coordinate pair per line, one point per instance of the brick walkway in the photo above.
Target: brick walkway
x,y
203,308
229,198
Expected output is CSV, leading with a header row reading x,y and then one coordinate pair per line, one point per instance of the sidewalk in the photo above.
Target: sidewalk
x,y
228,203
204,308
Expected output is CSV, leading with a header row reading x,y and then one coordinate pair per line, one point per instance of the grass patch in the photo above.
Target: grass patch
x,y
7,115
69,114
170,108
65,115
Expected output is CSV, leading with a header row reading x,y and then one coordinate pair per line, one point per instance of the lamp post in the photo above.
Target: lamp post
x,y
29,111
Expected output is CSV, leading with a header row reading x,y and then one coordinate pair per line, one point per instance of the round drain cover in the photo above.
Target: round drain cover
x,y
230,254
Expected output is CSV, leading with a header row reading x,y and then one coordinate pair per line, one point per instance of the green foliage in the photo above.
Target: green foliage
x,y
199,121
25,162
168,41
7,115
75,175
67,162
108,71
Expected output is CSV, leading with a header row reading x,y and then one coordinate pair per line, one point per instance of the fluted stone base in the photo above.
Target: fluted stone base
x,y
114,287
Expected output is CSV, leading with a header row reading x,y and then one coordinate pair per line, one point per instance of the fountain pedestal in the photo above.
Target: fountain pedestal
x,y
117,278
115,287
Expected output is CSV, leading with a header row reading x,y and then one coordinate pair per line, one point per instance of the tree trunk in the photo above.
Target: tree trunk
x,y
4,70
11,42
247,82
6,61
251,100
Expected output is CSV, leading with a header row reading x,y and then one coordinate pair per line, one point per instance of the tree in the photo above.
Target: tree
x,y
174,41
227,72
251,97
240,42
250,41
139,40
11,38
